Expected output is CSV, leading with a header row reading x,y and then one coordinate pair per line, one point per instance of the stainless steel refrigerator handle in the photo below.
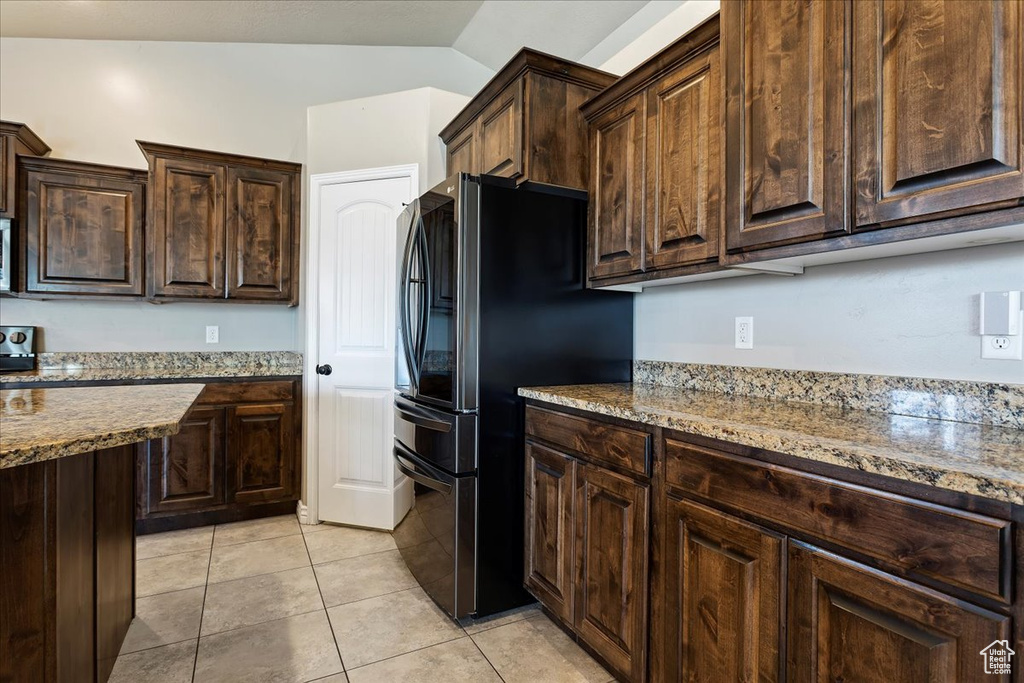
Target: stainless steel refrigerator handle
x,y
423,420
407,467
406,321
421,351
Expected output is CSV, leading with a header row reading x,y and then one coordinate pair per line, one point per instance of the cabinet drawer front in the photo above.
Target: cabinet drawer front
x,y
962,549
616,446
246,392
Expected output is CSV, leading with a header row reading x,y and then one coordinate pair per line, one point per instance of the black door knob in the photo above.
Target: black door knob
x,y
324,369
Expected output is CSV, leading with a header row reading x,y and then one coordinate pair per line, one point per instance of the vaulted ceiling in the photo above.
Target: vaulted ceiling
x,y
489,31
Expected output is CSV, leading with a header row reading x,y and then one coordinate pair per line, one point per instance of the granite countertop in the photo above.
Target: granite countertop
x,y
43,424
112,367
979,459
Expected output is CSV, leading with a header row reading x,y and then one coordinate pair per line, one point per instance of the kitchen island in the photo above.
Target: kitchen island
x,y
67,522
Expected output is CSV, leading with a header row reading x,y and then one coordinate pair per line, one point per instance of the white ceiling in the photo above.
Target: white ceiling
x,y
489,31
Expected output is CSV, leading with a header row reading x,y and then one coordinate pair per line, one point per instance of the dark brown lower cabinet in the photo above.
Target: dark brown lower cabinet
x,y
586,536
236,457
67,566
611,567
723,596
849,622
760,566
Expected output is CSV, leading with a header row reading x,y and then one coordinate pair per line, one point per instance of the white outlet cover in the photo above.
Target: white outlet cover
x,y
744,332
212,334
1014,350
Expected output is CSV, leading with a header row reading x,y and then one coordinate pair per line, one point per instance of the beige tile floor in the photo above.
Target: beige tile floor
x,y
270,600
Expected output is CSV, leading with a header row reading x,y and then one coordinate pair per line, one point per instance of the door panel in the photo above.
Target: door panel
x,y
850,622
186,470
462,152
259,235
683,165
189,228
549,528
356,283
616,199
611,567
261,453
501,134
938,119
786,121
723,586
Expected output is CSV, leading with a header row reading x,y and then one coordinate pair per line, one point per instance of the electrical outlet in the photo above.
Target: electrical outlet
x,y
745,332
212,334
1003,346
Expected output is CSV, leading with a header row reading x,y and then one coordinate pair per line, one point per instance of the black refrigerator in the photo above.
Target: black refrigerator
x,y
491,297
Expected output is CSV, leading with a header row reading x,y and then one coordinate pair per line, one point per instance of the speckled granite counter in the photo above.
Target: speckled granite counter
x,y
971,458
43,424
112,367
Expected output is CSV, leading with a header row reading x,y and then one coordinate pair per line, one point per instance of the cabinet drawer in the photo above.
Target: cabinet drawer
x,y
616,446
246,392
959,548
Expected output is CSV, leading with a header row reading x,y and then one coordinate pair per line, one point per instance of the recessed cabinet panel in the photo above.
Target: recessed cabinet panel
x,y
616,200
186,470
938,106
189,218
261,452
786,121
501,134
259,241
462,153
848,622
723,589
82,228
549,529
683,165
611,567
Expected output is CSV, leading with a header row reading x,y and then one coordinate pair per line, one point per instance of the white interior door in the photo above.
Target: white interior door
x,y
358,482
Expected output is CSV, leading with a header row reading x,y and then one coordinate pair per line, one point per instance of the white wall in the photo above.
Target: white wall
x,y
914,315
90,101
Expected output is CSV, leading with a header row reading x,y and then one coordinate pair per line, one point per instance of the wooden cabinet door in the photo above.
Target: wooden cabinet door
x,y
849,622
786,121
186,471
82,229
462,156
683,165
261,453
189,220
549,528
722,601
616,205
937,91
501,133
611,567
260,234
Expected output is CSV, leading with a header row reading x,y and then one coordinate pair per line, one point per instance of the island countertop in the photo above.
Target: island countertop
x,y
970,458
43,424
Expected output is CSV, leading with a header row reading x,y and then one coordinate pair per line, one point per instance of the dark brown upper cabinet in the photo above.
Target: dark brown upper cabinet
x,y
222,226
786,66
937,96
656,166
81,228
525,123
15,139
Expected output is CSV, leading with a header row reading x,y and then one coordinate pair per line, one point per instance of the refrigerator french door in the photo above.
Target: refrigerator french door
x,y
437,297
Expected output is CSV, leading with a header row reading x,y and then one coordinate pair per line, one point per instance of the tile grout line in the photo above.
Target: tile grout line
x,y
425,647
323,602
486,658
202,611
